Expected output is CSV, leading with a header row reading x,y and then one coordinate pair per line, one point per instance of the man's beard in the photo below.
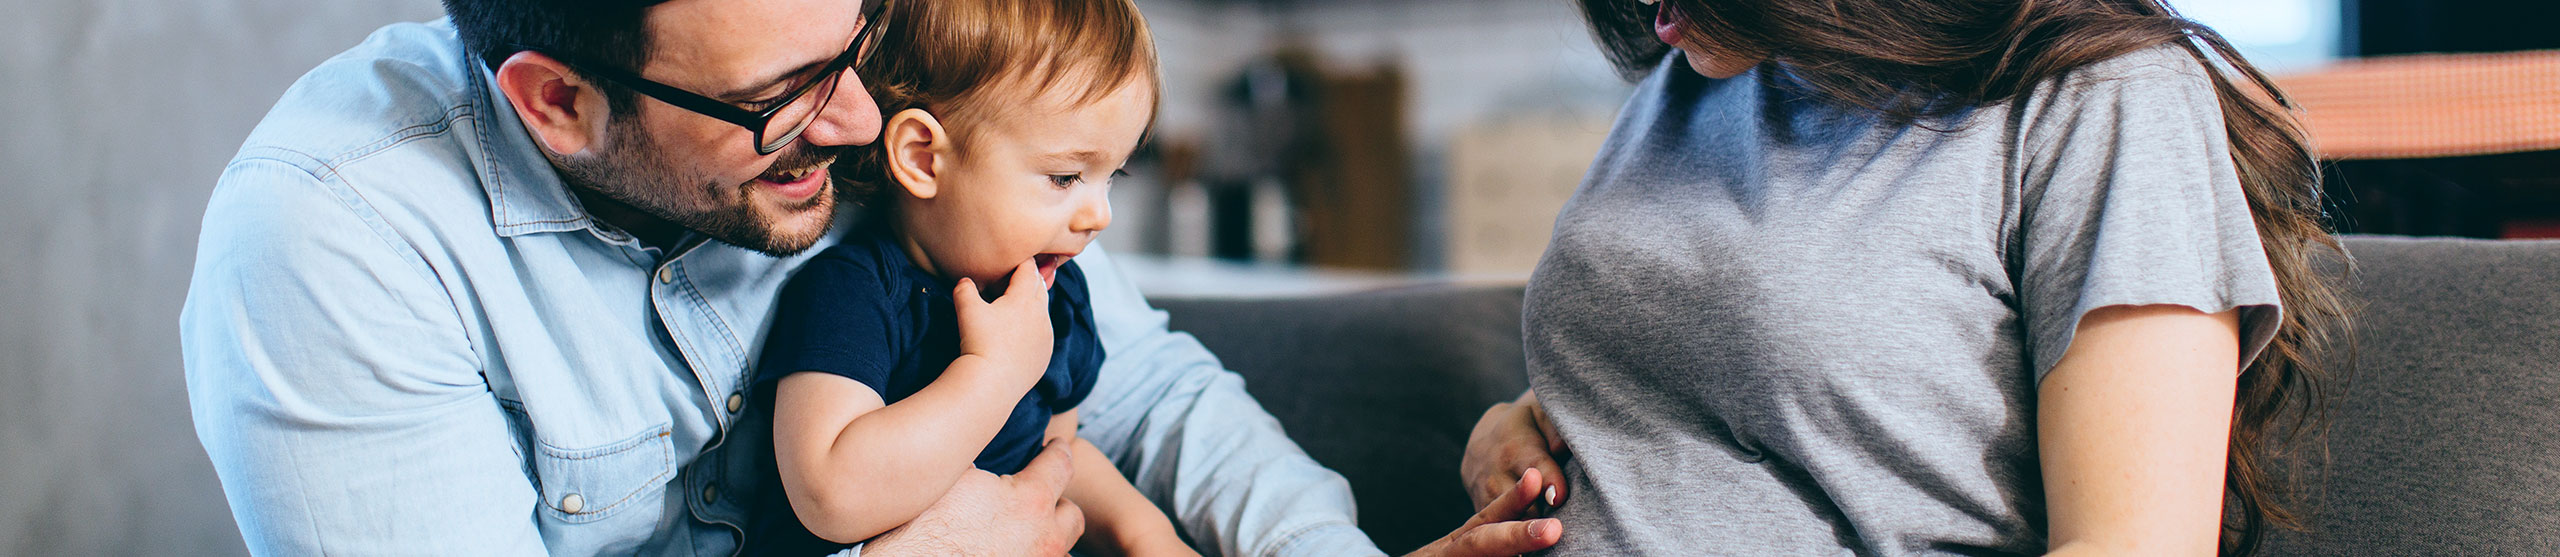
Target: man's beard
x,y
637,174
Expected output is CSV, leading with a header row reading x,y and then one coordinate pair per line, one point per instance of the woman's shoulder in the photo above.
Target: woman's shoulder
x,y
2162,68
2156,90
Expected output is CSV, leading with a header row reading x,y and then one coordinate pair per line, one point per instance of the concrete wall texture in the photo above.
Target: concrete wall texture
x,y
115,118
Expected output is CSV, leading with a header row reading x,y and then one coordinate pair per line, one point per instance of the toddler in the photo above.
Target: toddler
x,y
952,329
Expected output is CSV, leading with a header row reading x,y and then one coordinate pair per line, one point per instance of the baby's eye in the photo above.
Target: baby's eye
x,y
1064,180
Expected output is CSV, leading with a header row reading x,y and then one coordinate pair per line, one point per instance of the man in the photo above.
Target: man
x,y
491,285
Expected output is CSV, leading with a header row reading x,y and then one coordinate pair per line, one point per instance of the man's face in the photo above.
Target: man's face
x,y
703,173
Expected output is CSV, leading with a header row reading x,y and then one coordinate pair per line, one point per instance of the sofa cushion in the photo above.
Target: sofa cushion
x,y
2446,437
1381,386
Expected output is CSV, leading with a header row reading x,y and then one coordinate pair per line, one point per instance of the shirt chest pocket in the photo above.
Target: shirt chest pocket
x,y
589,484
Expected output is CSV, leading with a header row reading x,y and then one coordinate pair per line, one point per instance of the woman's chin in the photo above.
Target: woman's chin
x,y
1715,67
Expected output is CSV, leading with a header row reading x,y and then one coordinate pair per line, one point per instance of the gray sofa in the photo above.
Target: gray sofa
x,y
2446,437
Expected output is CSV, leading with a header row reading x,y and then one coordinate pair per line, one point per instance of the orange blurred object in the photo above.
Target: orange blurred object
x,y
2431,105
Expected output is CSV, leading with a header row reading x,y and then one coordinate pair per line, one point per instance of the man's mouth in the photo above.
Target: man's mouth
x,y
797,184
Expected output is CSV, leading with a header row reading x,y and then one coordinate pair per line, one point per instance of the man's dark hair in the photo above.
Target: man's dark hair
x,y
597,31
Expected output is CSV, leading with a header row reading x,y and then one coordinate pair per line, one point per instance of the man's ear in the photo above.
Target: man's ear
x,y
917,149
564,112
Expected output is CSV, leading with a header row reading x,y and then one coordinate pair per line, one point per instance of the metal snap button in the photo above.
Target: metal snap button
x,y
573,503
666,275
736,401
709,492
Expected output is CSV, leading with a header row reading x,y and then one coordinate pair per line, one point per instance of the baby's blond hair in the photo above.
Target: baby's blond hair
x,y
950,56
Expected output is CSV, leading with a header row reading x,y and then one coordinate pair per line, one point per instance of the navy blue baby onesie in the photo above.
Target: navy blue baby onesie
x,y
863,311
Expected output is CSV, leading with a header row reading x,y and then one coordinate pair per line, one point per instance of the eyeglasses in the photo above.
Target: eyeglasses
x,y
780,121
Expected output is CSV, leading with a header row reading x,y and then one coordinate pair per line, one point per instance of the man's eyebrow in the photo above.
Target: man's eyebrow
x,y
764,85
767,85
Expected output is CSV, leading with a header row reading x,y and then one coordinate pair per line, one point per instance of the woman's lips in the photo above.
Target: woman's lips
x,y
1666,25
796,190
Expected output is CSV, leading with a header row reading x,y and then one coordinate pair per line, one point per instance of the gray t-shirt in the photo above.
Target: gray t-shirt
x,y
1769,325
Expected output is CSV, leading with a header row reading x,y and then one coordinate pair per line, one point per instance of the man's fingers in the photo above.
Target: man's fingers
x,y
1511,503
1066,528
1493,488
1048,471
1508,538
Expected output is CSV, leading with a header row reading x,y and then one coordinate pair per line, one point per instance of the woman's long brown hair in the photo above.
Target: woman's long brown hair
x,y
1913,60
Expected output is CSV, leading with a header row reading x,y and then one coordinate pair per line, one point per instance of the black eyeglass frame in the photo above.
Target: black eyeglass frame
x,y
754,121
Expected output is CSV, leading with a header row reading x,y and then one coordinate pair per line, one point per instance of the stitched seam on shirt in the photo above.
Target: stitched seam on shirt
x,y
382,229
1300,535
727,335
397,138
333,183
685,350
666,459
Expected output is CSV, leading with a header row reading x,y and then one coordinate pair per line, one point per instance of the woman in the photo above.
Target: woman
x,y
1894,277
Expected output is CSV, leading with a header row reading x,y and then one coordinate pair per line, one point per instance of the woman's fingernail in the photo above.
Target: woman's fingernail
x,y
1550,495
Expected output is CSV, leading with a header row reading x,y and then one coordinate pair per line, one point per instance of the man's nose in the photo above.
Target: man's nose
x,y
850,117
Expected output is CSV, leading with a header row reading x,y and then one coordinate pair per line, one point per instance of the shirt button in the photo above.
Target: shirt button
x,y
573,503
666,275
709,492
736,401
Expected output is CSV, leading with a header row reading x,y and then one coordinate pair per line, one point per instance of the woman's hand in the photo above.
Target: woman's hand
x,y
1512,437
1497,529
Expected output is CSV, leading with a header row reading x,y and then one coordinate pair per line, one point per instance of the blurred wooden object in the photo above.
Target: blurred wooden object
x,y
2439,144
1507,180
2431,105
1356,199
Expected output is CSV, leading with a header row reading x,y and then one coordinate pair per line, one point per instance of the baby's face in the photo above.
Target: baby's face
x,y
1032,183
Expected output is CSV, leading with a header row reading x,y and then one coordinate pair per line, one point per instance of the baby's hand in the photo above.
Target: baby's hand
x,y
1012,333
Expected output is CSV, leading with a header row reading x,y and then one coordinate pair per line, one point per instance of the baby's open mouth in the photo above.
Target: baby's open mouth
x,y
1049,264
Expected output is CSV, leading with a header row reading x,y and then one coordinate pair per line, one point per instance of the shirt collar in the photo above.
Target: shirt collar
x,y
526,195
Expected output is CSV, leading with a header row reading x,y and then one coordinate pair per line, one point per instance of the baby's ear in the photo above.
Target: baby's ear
x,y
917,149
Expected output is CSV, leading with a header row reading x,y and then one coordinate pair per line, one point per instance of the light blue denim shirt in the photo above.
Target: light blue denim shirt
x,y
404,336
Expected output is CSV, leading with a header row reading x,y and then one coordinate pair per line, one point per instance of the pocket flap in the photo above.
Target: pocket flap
x,y
585,485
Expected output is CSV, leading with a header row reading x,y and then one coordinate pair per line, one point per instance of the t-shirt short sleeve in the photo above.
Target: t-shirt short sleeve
x,y
2130,197
834,316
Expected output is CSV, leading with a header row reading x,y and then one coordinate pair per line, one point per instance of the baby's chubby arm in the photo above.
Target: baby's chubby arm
x,y
853,467
1118,520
